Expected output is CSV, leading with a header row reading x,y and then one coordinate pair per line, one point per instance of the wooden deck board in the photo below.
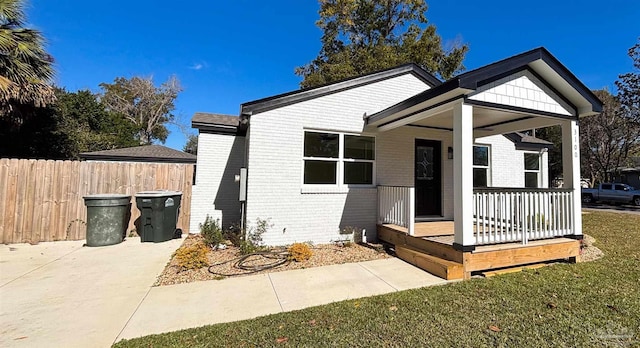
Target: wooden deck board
x,y
428,229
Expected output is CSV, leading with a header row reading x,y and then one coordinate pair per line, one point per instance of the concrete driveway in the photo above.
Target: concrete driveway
x,y
62,294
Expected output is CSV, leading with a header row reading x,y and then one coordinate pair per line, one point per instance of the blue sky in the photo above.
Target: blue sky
x,y
229,52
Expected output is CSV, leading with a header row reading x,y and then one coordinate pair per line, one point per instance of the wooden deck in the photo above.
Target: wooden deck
x,y
428,229
431,248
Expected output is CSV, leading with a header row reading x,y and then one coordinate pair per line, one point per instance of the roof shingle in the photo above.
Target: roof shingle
x,y
145,153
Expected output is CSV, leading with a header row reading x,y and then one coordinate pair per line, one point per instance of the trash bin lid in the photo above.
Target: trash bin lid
x,y
106,200
106,196
158,193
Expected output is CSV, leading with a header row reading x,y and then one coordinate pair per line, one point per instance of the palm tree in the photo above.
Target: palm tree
x,y
25,67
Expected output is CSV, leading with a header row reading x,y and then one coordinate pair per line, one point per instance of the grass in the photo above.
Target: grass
x,y
565,305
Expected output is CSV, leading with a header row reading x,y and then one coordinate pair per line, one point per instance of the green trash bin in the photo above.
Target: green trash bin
x,y
158,215
107,218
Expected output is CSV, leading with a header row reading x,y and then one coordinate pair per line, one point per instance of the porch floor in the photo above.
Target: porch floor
x,y
434,240
428,229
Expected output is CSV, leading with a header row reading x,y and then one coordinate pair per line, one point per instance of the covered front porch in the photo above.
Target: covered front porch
x,y
490,226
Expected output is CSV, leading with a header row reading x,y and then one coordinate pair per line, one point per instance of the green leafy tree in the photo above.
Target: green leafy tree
x,y
192,144
363,36
25,67
76,123
147,107
89,125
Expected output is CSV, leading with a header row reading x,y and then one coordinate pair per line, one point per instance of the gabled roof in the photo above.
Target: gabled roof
x,y
280,100
218,123
528,142
146,153
538,61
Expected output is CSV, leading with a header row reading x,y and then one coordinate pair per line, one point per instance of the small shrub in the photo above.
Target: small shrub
x,y
253,241
211,232
192,257
247,248
299,252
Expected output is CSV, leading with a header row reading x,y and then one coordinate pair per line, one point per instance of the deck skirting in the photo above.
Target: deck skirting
x,y
438,253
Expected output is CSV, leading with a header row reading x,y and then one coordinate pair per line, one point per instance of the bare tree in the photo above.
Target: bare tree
x,y
629,95
606,139
148,107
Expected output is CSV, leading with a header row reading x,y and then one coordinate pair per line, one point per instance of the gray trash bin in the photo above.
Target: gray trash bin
x,y
159,212
107,218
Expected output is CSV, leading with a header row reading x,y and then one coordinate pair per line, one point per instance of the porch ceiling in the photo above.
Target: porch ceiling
x,y
486,121
482,118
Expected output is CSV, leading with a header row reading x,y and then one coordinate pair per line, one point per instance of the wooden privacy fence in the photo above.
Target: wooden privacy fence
x,y
41,200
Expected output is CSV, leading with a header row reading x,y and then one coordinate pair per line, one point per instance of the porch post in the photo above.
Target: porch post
x,y
463,176
571,170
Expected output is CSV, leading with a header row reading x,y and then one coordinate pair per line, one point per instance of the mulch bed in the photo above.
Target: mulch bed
x,y
225,261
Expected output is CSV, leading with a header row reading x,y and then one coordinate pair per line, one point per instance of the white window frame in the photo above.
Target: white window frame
x,y
537,171
339,186
488,166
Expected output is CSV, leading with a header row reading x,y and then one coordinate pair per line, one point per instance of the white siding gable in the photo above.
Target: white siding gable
x,y
275,149
523,90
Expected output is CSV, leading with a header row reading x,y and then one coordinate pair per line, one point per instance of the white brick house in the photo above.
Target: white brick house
x,y
399,147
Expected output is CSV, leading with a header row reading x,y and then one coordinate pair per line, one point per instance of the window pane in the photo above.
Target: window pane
x,y
321,144
607,187
358,173
531,161
531,180
357,147
479,177
480,156
320,172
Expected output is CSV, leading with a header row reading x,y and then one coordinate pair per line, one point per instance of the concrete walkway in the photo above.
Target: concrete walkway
x,y
63,294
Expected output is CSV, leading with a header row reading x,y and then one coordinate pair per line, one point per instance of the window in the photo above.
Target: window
x,y
531,170
480,166
621,188
338,159
321,157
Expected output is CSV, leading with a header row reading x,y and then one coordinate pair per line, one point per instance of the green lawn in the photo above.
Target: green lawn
x,y
565,305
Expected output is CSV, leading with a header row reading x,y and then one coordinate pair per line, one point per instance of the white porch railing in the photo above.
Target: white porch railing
x,y
396,205
509,215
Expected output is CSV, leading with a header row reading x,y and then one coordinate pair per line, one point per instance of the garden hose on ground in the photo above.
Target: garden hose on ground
x,y
278,257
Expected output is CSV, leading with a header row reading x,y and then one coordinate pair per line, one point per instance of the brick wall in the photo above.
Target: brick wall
x,y
215,192
507,163
275,164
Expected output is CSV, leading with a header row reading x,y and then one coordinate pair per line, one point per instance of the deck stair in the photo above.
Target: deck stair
x,y
442,268
436,258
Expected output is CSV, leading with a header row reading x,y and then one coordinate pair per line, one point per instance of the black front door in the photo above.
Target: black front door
x,y
428,178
